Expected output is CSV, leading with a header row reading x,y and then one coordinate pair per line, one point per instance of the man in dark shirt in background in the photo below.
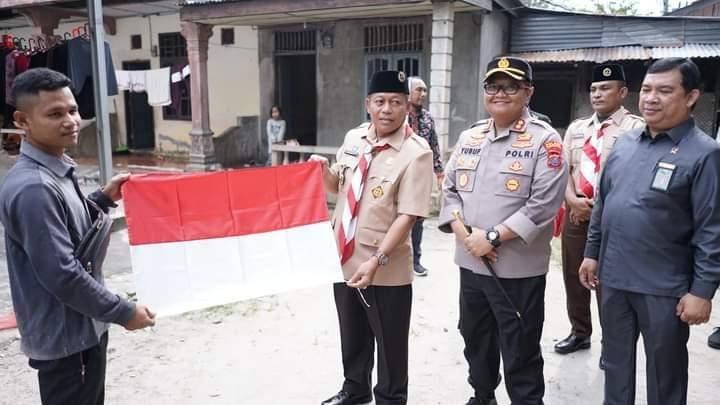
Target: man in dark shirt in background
x,y
423,124
62,310
653,236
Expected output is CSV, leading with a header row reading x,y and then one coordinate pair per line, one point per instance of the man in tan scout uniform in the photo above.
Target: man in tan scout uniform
x,y
387,170
506,176
588,142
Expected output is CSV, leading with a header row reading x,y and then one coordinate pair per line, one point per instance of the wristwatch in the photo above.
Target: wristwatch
x,y
493,236
382,258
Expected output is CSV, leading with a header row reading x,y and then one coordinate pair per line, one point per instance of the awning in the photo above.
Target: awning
x,y
599,55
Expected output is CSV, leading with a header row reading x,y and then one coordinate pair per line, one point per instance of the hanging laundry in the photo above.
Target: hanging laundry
x,y
131,80
16,62
80,72
176,88
157,83
178,74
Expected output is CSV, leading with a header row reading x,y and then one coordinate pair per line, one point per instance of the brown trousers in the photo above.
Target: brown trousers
x,y
578,297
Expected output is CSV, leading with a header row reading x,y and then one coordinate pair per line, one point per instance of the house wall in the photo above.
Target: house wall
x,y
341,71
232,76
340,83
465,67
340,76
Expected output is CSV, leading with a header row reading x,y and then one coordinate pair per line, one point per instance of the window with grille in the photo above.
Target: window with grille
x,y
393,47
295,41
394,38
173,53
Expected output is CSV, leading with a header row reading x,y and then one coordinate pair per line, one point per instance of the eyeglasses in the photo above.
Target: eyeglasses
x,y
510,89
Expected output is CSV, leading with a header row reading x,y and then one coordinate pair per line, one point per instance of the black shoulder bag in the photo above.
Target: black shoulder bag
x,y
91,249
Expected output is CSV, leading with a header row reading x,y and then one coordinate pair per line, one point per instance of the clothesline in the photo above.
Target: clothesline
x,y
157,83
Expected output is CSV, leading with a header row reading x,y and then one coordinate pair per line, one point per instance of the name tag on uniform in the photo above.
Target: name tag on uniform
x,y
663,175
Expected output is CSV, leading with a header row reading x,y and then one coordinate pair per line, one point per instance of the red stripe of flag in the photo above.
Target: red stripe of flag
x,y
175,208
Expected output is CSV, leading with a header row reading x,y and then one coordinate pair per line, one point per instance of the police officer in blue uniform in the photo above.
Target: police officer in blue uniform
x,y
652,242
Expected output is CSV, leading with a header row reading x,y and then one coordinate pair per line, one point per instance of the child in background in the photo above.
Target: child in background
x,y
275,130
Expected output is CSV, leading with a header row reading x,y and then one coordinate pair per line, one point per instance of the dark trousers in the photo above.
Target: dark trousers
x,y
78,379
416,237
490,327
578,297
387,322
625,316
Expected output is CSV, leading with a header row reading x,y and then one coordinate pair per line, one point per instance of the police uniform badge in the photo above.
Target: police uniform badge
x,y
512,184
523,140
663,174
377,192
516,166
519,125
463,180
607,72
503,63
554,154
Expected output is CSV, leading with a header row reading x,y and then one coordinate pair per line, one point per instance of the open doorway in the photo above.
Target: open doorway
x,y
139,121
296,93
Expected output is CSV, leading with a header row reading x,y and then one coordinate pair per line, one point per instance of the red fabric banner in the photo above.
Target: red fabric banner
x,y
183,207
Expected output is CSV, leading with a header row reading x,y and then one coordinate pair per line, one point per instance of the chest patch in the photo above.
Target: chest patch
x,y
516,166
377,192
524,154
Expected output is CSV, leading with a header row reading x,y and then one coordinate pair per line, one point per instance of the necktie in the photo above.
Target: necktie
x,y
348,226
590,162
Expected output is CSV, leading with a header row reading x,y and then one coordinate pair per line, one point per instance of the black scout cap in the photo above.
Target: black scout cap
x,y
516,68
388,81
608,71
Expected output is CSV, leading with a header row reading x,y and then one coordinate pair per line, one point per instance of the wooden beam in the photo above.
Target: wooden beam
x,y
201,12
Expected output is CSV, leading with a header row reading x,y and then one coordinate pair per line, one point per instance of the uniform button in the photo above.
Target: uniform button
x,y
375,242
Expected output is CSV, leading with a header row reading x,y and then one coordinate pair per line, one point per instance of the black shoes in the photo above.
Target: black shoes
x,y
344,398
420,270
714,339
572,344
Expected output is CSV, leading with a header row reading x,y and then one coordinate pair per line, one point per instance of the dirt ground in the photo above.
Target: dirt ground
x,y
285,349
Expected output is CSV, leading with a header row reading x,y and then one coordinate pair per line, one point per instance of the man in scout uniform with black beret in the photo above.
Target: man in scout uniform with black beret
x,y
588,142
506,178
383,179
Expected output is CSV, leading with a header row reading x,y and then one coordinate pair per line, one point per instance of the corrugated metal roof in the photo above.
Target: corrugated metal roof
x,y
543,31
599,55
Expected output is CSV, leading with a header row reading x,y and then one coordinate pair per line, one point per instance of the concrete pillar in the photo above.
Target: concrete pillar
x,y
494,41
202,151
441,69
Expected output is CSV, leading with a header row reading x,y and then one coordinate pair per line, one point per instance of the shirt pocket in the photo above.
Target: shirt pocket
x,y
370,237
515,178
677,191
465,172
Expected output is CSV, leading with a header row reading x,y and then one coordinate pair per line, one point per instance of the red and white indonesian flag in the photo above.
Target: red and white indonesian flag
x,y
205,239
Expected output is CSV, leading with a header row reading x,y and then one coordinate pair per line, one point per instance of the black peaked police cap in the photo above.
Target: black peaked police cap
x,y
388,81
516,68
608,71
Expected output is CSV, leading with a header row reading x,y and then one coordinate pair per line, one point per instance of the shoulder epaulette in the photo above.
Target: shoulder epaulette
x,y
481,122
420,141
